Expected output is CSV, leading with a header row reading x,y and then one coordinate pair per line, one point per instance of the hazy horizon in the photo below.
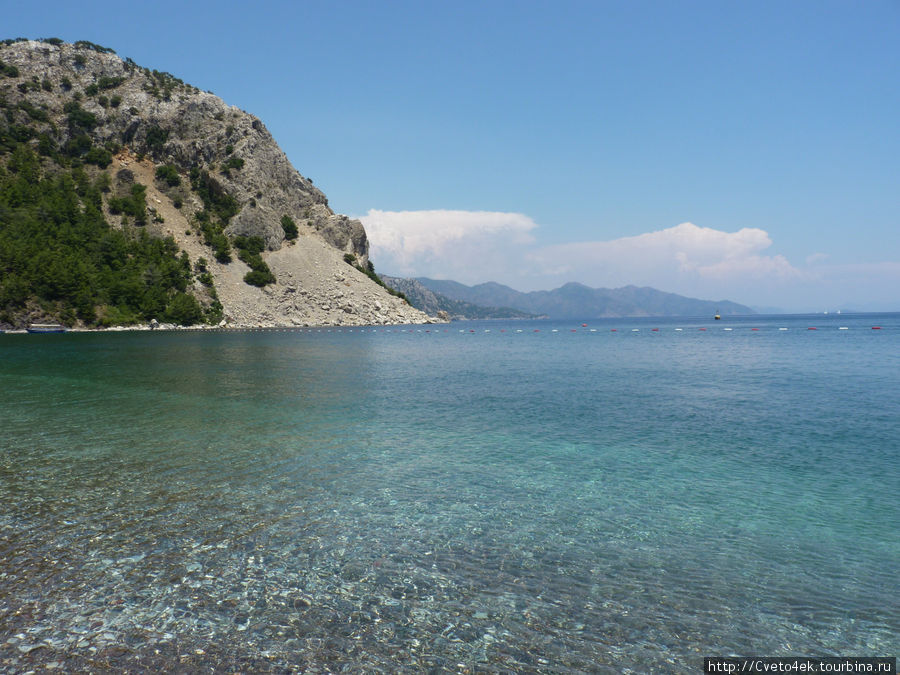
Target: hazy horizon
x,y
759,309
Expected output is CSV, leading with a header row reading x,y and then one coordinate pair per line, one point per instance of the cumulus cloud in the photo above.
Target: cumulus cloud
x,y
462,245
684,252
477,246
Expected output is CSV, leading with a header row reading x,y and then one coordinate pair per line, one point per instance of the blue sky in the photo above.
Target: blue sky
x,y
717,149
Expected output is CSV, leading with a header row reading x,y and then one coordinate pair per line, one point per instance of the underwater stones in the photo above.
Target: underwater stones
x,y
353,572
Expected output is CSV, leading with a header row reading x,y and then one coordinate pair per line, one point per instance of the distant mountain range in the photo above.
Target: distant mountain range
x,y
426,300
571,301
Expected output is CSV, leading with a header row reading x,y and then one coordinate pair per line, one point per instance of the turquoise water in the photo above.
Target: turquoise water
x,y
486,496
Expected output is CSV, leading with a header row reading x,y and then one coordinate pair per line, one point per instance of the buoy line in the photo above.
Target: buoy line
x,y
472,331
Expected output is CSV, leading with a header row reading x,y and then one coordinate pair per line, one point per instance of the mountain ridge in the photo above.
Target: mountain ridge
x,y
437,304
574,300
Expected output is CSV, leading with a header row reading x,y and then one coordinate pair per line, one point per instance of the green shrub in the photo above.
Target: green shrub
x,y
84,44
99,156
168,174
220,246
46,145
290,228
202,270
214,312
233,163
78,117
259,277
106,82
118,316
249,250
215,199
134,205
251,245
184,310
156,138
103,182
78,145
9,71
35,113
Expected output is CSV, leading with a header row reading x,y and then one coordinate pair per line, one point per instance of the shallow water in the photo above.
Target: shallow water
x,y
562,499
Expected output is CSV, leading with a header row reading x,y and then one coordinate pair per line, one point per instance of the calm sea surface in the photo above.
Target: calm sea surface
x,y
495,496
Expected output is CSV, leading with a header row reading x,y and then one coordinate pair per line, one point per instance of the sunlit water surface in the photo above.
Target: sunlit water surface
x,y
534,496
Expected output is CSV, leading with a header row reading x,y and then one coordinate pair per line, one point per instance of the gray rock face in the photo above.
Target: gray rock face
x,y
176,123
145,119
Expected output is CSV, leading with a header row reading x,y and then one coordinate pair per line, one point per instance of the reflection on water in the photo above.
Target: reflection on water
x,y
563,502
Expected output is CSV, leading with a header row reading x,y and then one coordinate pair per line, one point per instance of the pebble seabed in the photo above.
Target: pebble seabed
x,y
212,548
267,602
244,587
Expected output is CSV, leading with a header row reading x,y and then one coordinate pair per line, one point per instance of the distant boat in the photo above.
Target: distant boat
x,y
46,328
718,316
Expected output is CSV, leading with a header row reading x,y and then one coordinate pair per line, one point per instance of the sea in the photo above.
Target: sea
x,y
597,496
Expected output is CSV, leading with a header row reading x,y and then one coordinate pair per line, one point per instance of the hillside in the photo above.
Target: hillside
x,y
128,195
434,303
577,301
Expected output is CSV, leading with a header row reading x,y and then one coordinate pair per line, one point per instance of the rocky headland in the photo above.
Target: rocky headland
x,y
263,246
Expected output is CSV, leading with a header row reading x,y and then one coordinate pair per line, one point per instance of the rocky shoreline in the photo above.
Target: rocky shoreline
x,y
224,328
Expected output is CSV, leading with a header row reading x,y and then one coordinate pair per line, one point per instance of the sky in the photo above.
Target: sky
x,y
747,151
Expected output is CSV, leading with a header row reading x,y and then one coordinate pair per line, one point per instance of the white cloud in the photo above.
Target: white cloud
x,y
460,245
477,246
687,259
685,251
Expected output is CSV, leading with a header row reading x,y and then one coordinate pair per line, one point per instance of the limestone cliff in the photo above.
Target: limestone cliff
x,y
214,178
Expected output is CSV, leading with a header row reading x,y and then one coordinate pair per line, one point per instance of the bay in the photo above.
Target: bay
x,y
628,495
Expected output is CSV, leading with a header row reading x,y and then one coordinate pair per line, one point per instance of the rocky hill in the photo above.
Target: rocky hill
x,y
162,157
577,301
